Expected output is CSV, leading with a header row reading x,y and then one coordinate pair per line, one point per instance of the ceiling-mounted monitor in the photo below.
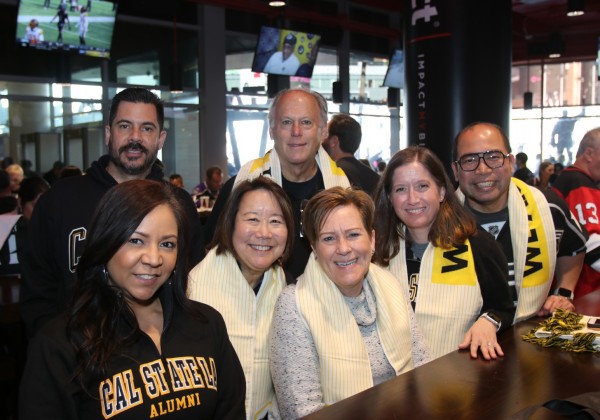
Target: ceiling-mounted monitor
x,y
79,27
395,73
285,52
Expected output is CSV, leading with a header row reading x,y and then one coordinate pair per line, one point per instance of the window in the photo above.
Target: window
x,y
565,107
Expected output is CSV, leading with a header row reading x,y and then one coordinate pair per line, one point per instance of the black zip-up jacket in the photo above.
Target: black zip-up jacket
x,y
57,233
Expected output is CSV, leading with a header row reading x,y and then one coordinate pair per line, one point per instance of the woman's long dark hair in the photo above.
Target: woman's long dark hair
x,y
452,226
94,320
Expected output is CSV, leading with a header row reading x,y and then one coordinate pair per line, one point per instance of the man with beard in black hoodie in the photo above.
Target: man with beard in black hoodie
x,y
58,227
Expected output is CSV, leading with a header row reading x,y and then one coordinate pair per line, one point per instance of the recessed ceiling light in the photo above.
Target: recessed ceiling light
x,y
576,8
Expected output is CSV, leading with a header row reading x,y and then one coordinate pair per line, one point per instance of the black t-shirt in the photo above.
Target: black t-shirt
x,y
299,194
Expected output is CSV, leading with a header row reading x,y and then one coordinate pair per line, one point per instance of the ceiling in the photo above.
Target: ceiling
x,y
533,22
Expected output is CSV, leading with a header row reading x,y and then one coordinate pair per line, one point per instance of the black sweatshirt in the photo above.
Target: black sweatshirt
x,y
197,376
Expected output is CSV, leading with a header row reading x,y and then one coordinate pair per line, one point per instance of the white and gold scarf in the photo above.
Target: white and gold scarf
x,y
343,358
218,282
533,238
269,165
448,295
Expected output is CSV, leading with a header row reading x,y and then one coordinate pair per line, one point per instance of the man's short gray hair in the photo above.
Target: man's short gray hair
x,y
321,102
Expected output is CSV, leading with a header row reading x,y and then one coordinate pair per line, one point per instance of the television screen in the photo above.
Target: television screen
x,y
77,26
285,52
395,73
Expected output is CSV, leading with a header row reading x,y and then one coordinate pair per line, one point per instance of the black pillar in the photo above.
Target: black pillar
x,y
458,69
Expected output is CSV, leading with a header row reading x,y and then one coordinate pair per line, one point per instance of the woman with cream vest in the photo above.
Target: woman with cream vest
x,y
456,274
347,324
242,276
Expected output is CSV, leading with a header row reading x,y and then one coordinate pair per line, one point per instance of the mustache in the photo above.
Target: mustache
x,y
133,146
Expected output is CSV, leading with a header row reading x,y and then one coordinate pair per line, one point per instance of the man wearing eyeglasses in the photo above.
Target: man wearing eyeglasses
x,y
540,237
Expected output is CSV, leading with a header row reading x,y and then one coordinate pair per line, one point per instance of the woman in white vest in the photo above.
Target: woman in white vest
x,y
242,276
456,274
347,324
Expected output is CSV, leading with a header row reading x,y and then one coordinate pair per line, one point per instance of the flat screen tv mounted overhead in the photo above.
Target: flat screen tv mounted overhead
x,y
394,77
285,52
80,27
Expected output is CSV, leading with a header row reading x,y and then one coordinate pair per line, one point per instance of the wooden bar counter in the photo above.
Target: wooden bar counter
x,y
458,387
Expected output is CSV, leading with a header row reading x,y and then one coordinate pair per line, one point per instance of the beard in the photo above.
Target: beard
x,y
132,166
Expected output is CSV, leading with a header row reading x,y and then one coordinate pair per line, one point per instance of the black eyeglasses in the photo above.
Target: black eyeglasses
x,y
492,158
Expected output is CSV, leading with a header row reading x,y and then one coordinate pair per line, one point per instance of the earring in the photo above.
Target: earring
x,y
117,290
